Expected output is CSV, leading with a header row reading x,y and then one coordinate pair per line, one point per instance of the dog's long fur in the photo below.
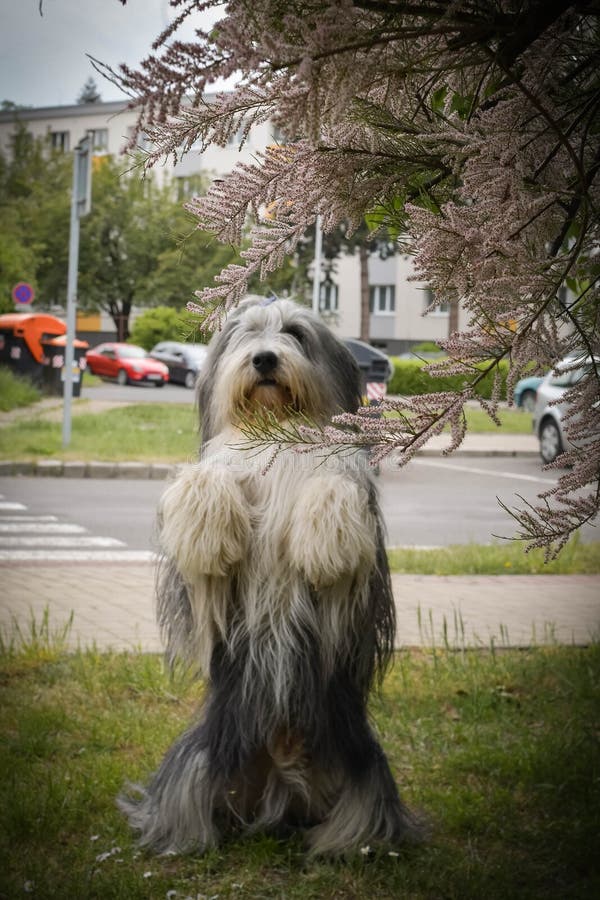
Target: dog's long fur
x,y
274,585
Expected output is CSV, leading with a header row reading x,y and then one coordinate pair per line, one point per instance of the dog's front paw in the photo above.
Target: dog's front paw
x,y
205,522
332,531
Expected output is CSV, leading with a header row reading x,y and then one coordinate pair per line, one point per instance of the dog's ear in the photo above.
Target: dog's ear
x,y
346,377
208,374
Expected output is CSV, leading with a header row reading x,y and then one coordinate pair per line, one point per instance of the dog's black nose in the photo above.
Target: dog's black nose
x,y
264,362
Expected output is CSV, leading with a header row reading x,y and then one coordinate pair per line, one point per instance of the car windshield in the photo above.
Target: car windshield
x,y
131,352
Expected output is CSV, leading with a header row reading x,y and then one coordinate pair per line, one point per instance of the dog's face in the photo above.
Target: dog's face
x,y
277,357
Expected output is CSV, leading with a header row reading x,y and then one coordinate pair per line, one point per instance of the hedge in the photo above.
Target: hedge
x,y
409,378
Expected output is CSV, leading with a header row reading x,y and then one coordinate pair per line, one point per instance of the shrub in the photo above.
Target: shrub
x,y
15,390
426,347
160,323
410,378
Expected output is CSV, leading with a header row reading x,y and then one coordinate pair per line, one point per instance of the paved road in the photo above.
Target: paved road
x,y
138,393
432,502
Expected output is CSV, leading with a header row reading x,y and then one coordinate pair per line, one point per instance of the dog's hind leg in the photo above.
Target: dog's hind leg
x,y
175,813
351,770
367,811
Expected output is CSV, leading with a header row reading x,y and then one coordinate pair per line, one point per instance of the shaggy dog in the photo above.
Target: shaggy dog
x,y
274,585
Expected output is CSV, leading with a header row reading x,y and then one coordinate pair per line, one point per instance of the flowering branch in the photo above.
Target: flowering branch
x,y
469,130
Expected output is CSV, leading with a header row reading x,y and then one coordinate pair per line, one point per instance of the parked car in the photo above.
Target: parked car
x,y
126,363
183,361
373,363
525,391
549,412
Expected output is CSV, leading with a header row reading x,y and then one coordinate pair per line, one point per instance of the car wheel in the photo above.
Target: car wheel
x,y
190,379
528,401
122,377
159,384
550,441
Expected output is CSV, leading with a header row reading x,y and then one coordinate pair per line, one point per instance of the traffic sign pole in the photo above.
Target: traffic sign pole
x,y
80,206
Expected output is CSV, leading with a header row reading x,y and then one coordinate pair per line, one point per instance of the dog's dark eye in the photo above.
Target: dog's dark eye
x,y
296,333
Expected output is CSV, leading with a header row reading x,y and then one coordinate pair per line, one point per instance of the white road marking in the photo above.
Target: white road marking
x,y
6,505
40,528
49,541
98,556
490,473
28,518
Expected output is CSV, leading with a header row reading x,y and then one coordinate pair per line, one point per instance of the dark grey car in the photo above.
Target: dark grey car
x,y
183,361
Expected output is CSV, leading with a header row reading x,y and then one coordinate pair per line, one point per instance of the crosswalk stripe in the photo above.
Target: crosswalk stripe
x,y
91,556
28,518
10,507
51,541
40,528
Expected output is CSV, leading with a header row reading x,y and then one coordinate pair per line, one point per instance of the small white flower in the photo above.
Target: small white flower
x,y
95,837
393,853
147,874
28,887
365,850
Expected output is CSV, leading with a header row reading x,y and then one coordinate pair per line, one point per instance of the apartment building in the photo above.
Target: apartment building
x,y
398,303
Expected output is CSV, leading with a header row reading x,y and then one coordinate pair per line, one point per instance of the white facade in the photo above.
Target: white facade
x,y
398,303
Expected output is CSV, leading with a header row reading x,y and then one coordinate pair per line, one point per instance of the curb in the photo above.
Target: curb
x,y
53,468
57,468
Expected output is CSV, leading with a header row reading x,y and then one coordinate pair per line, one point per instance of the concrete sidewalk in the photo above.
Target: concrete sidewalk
x,y
487,444
112,606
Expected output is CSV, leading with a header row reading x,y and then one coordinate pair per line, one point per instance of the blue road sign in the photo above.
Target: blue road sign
x,y
23,293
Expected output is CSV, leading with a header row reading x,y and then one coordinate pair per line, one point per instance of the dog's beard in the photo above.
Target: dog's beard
x,y
271,396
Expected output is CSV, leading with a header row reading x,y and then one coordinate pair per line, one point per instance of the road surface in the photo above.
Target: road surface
x,y
432,502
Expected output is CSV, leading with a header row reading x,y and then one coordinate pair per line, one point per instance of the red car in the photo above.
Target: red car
x,y
127,363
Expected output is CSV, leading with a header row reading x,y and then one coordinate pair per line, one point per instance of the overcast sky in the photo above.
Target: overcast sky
x,y
43,59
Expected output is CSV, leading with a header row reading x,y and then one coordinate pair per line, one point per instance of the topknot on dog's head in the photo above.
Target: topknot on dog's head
x,y
277,355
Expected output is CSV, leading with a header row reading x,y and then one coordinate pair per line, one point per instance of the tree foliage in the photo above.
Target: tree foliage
x,y
469,129
34,219
137,245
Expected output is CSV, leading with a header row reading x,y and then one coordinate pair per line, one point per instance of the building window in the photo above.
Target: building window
x,y
100,140
328,297
142,141
59,140
189,186
382,299
442,309
237,137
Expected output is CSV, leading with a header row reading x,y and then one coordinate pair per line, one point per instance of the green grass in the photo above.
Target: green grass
x,y
155,432
15,391
514,421
506,558
499,751
161,432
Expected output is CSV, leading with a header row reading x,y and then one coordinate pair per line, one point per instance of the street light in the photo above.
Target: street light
x,y
81,204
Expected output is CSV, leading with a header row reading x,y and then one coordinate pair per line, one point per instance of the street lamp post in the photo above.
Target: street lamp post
x,y
81,203
317,265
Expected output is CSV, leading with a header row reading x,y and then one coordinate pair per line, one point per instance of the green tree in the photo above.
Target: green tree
x,y
161,323
129,228
34,218
89,93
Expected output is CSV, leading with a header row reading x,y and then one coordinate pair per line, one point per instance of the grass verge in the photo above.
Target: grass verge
x,y
500,751
506,558
161,432
15,391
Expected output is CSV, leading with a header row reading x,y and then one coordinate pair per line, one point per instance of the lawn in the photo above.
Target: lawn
x,y
499,752
158,432
502,558
15,392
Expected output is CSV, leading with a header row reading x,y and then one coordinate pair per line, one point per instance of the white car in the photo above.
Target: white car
x,y
549,412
